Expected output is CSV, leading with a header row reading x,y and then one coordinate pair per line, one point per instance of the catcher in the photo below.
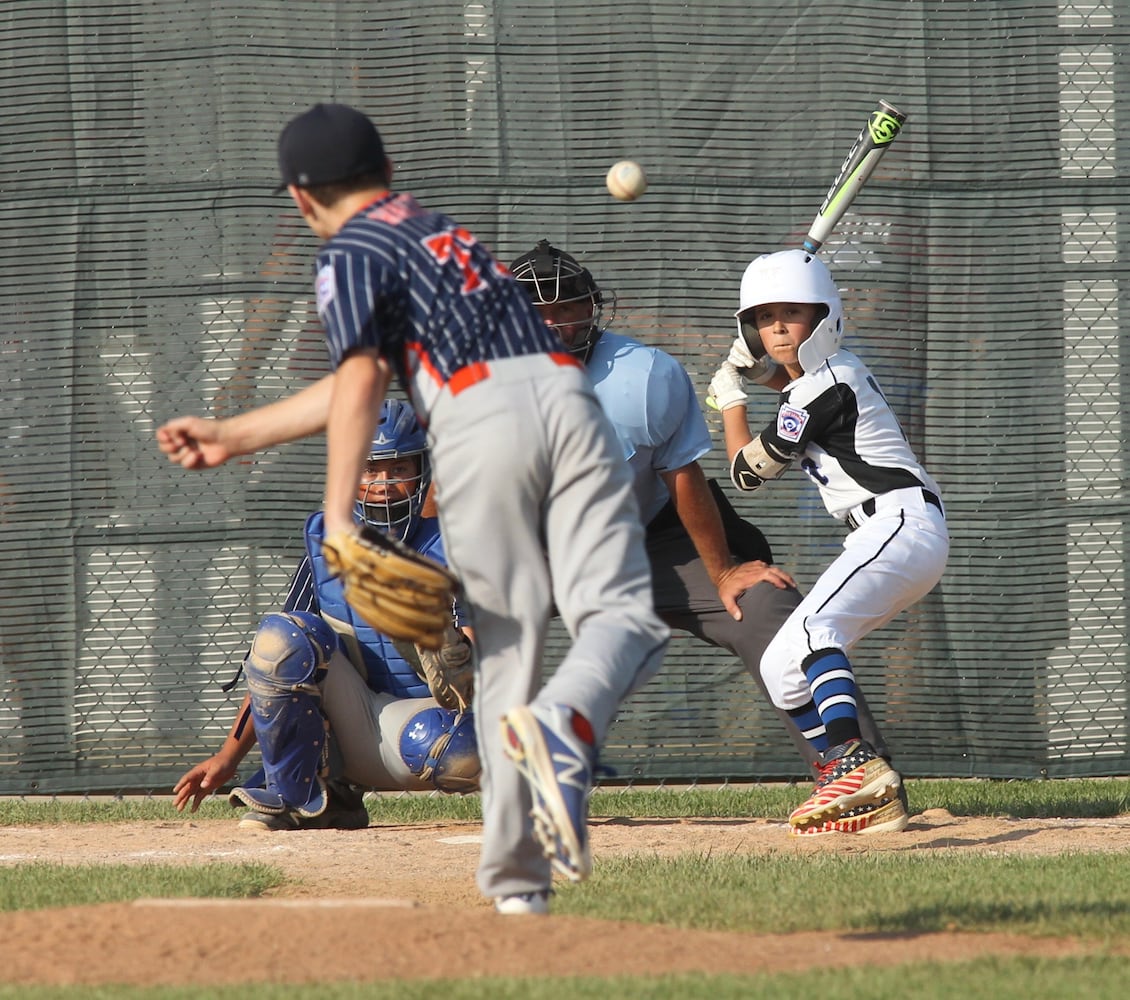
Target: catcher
x,y
336,705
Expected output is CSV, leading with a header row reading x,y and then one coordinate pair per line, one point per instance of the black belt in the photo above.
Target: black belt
x,y
868,506
931,498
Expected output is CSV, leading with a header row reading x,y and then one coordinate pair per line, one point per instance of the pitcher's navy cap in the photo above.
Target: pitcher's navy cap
x,y
327,144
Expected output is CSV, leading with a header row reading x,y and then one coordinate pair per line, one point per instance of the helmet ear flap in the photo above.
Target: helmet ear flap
x,y
827,332
747,330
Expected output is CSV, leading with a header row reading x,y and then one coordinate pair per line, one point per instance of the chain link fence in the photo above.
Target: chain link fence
x,y
147,271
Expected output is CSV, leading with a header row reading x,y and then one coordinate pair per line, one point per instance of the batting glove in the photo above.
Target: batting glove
x,y
740,354
726,388
758,370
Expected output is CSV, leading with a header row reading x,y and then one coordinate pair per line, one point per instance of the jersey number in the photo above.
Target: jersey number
x,y
457,243
810,467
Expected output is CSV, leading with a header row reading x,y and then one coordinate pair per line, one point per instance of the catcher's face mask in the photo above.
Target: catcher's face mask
x,y
391,493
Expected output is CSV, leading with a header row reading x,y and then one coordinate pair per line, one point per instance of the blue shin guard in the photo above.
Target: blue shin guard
x,y
288,659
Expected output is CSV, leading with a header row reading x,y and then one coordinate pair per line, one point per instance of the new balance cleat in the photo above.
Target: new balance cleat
x,y
524,904
851,775
557,765
891,817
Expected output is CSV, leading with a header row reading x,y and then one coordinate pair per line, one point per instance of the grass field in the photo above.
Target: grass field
x,y
1084,896
1019,979
1091,797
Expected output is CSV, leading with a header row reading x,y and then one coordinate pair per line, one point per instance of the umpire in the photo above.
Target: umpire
x,y
712,571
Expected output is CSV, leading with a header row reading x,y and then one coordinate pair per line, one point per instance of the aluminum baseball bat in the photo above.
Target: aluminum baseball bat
x,y
883,126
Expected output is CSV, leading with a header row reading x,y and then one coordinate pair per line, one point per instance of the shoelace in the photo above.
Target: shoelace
x,y
827,770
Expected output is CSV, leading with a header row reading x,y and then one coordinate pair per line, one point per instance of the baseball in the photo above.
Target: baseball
x,y
626,180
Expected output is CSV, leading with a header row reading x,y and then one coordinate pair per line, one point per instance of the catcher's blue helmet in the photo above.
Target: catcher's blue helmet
x,y
392,503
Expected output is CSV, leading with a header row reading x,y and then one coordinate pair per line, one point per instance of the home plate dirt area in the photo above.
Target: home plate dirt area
x,y
414,885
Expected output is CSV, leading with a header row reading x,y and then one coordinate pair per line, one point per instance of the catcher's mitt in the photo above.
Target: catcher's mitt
x,y
449,671
395,589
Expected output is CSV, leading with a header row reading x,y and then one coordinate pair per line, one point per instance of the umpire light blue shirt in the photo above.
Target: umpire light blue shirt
x,y
650,399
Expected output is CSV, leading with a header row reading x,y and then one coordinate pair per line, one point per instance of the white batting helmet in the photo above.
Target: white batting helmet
x,y
792,276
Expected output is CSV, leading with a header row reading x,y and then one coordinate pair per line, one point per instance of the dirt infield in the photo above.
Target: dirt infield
x,y
414,885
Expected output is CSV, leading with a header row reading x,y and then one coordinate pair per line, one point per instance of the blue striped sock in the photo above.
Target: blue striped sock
x,y
833,690
811,726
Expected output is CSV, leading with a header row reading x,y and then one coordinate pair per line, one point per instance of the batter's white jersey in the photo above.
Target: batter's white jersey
x,y
849,441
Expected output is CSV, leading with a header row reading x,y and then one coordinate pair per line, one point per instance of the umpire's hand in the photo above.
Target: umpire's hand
x,y
736,580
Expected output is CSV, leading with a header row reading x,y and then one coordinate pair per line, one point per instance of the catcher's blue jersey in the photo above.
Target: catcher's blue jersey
x,y
314,589
426,293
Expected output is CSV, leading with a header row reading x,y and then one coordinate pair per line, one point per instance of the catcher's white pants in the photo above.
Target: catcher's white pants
x,y
526,464
890,561
366,729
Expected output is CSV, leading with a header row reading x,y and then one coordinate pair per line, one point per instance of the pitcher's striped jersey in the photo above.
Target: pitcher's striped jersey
x,y
423,290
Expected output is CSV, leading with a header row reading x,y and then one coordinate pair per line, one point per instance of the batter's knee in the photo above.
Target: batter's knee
x,y
784,679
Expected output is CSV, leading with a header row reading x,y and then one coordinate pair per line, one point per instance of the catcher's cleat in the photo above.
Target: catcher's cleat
x,y
851,775
556,763
533,904
344,811
890,817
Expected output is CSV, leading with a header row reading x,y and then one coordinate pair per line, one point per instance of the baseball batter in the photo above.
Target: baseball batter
x,y
712,572
525,464
833,417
